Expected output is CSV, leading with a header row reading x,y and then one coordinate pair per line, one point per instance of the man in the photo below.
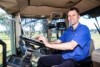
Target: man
x,y
75,42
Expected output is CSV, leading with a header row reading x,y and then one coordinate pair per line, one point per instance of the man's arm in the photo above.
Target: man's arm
x,y
58,45
62,46
55,42
42,38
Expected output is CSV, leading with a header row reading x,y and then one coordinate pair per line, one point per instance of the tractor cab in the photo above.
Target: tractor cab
x,y
22,20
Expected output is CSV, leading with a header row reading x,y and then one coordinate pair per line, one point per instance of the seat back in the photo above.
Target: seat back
x,y
92,47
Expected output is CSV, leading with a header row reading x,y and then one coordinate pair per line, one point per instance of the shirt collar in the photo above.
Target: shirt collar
x,y
71,28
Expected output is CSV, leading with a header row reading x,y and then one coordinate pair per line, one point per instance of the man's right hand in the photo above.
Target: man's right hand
x,y
41,38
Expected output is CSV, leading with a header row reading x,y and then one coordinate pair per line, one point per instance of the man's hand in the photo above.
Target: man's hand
x,y
43,39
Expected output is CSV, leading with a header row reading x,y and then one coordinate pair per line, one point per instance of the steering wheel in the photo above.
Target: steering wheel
x,y
32,41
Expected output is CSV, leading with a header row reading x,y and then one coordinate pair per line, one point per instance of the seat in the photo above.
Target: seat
x,y
87,62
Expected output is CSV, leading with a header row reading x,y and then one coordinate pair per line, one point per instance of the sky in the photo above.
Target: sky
x,y
89,22
2,28
2,11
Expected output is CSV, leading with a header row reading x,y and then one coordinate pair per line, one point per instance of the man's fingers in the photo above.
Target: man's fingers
x,y
37,37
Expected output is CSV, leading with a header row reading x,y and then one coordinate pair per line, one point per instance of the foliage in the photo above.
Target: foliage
x,y
5,20
33,24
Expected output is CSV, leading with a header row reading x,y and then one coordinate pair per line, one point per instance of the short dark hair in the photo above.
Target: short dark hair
x,y
74,8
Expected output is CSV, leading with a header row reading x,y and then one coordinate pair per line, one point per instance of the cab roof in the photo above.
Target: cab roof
x,y
39,8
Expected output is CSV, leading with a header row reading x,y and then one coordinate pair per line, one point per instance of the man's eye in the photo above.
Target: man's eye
x,y
73,15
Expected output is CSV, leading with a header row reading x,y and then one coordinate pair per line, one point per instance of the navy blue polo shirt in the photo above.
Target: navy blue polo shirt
x,y
82,36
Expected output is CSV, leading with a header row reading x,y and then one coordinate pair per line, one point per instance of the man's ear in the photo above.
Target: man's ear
x,y
78,16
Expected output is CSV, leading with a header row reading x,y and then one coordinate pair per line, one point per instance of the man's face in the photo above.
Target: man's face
x,y
73,17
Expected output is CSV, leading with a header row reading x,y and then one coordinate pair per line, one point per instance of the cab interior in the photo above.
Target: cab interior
x,y
22,20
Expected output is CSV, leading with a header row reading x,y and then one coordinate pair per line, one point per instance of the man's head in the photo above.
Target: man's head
x,y
73,15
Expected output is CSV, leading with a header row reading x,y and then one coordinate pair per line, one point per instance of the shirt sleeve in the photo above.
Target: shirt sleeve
x,y
82,36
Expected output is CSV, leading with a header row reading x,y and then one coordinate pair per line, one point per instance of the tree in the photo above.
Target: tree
x,y
5,20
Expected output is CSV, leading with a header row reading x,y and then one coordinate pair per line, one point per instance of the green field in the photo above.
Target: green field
x,y
6,39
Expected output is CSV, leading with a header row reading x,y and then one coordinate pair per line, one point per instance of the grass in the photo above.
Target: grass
x,y
6,39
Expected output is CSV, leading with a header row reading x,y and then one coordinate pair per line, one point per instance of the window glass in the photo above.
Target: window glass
x,y
32,27
5,20
58,29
